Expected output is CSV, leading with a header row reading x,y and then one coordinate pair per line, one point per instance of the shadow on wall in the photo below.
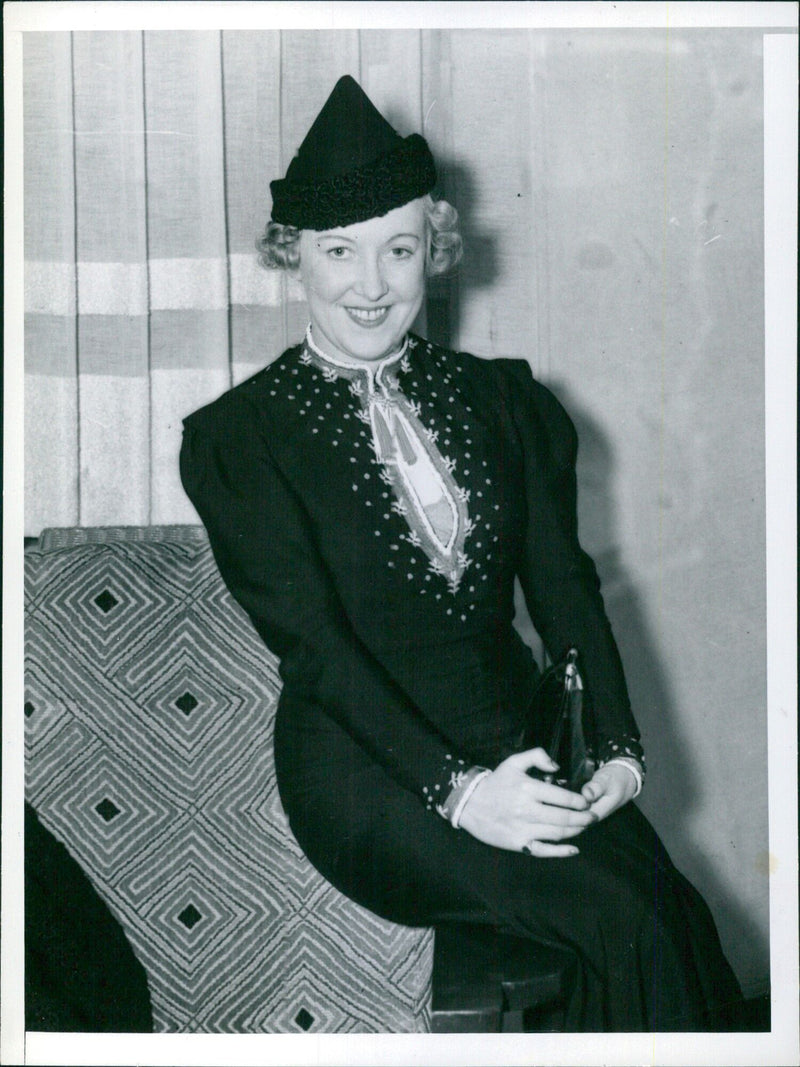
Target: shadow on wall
x,y
457,185
669,806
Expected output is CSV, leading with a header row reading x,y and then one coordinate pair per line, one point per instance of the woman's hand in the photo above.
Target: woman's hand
x,y
608,789
511,810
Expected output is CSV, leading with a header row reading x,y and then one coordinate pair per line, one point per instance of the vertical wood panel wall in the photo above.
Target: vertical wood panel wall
x,y
610,190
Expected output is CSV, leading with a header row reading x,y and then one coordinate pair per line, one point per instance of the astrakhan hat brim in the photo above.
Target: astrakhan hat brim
x,y
369,191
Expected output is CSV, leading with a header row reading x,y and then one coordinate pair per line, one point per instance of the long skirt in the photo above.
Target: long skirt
x,y
649,957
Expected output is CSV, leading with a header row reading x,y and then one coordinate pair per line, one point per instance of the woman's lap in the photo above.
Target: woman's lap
x,y
378,844
649,953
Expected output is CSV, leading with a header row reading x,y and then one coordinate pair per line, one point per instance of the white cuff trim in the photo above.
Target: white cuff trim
x,y
633,767
462,800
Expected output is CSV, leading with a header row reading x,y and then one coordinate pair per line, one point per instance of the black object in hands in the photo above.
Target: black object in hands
x,y
556,724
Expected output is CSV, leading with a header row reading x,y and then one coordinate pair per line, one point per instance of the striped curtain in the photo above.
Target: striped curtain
x,y
148,158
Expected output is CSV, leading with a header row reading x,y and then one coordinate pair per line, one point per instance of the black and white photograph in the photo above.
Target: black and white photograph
x,y
399,559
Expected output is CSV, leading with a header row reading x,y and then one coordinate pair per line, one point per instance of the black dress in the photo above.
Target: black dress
x,y
401,666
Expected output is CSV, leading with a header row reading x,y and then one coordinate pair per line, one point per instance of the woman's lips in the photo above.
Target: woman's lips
x,y
368,317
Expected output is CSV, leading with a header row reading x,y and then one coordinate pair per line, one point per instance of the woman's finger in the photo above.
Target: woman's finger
x,y
547,832
558,797
608,790
549,815
593,791
605,805
545,792
546,850
532,757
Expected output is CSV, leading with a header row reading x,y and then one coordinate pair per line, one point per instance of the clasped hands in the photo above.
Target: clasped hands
x,y
511,810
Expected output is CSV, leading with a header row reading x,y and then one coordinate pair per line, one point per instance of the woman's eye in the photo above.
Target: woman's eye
x,y
402,253
337,253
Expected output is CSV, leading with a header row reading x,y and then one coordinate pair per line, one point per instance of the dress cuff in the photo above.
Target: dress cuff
x,y
463,785
633,766
446,778
621,746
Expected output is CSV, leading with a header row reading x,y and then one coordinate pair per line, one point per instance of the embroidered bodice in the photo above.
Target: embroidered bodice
x,y
426,492
372,519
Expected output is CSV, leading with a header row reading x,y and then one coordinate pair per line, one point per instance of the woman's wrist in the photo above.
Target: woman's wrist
x,y
633,766
464,784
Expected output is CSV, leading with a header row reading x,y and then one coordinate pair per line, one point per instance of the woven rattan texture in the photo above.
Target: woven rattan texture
x,y
149,705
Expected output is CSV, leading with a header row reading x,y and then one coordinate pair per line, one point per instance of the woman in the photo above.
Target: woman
x,y
370,498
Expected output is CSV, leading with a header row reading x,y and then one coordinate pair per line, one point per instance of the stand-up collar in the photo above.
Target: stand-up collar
x,y
371,372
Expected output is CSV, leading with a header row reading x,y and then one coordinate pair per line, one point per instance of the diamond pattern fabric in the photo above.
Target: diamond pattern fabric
x,y
149,706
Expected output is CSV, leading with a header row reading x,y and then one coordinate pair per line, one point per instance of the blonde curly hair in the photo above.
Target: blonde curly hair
x,y
278,248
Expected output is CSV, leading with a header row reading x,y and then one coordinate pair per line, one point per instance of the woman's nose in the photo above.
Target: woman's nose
x,y
371,283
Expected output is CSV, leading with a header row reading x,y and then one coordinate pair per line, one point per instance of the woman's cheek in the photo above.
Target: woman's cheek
x,y
409,281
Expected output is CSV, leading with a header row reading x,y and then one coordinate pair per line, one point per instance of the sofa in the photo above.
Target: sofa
x,y
149,710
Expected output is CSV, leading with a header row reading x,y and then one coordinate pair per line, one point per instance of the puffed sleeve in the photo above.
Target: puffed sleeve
x,y
559,580
264,547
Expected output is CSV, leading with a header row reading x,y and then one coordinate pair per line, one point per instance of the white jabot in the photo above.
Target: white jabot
x,y
400,441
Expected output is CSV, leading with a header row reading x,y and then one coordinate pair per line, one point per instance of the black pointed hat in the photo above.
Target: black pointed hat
x,y
352,166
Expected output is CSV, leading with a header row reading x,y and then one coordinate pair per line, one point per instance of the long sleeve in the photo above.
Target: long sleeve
x,y
265,549
558,578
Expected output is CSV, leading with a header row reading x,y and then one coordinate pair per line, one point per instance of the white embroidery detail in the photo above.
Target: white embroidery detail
x,y
433,505
457,779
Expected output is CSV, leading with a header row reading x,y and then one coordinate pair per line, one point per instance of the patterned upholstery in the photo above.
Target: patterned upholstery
x,y
149,705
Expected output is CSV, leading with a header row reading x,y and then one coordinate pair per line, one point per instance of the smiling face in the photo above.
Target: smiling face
x,y
365,283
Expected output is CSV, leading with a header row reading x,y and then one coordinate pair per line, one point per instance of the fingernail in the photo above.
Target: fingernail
x,y
595,816
526,850
573,851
